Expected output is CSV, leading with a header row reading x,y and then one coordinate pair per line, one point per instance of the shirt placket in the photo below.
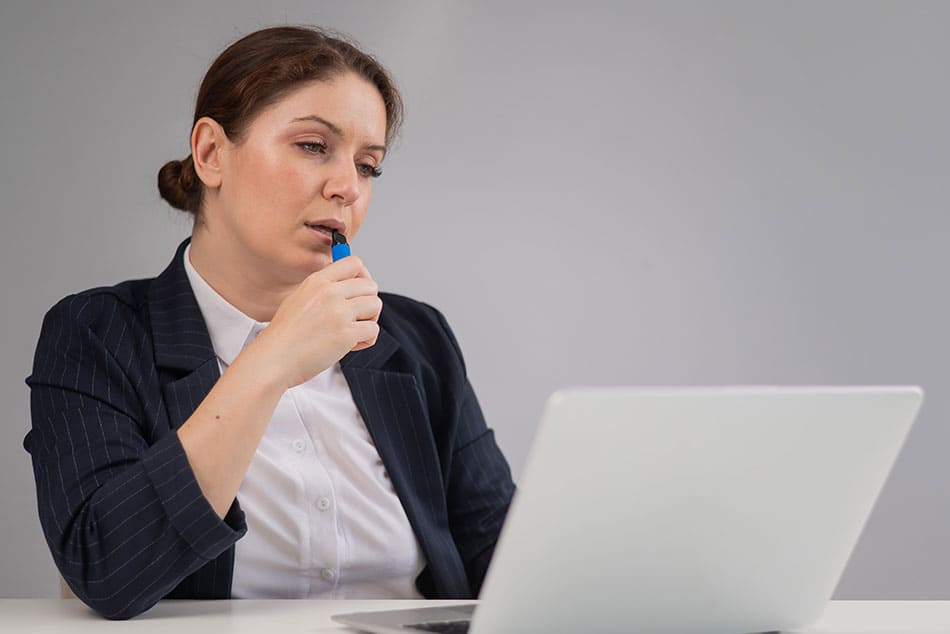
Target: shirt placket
x,y
323,569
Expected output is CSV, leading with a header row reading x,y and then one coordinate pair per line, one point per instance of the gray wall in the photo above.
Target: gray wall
x,y
630,193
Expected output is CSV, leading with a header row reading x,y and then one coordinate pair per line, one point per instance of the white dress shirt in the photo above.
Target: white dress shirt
x,y
323,520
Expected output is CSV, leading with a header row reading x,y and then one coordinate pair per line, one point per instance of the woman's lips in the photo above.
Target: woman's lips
x,y
324,235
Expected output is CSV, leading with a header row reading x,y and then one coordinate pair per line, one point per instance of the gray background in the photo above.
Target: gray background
x,y
635,193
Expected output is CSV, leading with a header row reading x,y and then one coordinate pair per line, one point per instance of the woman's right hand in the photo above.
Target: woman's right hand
x,y
332,312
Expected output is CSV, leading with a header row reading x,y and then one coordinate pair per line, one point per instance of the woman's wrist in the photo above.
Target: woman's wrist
x,y
263,365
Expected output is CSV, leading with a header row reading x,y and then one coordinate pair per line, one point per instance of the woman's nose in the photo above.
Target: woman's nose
x,y
343,184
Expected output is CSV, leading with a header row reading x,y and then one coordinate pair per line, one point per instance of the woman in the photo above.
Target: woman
x,y
258,421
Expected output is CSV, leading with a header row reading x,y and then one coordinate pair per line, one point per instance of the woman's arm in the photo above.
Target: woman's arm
x,y
480,487
126,517
122,513
480,492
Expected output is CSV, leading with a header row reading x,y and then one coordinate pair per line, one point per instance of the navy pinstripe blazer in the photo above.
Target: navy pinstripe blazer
x,y
118,369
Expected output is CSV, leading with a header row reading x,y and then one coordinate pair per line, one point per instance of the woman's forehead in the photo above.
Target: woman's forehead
x,y
349,106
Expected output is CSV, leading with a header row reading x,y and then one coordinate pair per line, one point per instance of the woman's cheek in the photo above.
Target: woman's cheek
x,y
289,186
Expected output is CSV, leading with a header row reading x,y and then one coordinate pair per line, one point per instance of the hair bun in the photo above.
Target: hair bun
x,y
179,185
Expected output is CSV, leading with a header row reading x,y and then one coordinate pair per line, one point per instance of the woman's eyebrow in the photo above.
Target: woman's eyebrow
x,y
336,130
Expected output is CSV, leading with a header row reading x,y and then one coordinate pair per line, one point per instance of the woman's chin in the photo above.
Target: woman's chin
x,y
312,263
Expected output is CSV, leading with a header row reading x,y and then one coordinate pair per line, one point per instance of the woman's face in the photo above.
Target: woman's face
x,y
306,161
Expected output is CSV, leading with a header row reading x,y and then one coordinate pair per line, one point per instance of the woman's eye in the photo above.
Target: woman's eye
x,y
313,147
368,170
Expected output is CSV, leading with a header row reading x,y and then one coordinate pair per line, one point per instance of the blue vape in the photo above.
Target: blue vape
x,y
340,248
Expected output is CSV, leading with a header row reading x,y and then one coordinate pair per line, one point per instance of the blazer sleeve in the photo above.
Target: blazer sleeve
x,y
119,505
479,487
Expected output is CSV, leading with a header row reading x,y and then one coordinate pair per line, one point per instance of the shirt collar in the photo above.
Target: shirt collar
x,y
230,329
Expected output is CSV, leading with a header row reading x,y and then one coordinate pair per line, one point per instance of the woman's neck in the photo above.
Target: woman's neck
x,y
236,276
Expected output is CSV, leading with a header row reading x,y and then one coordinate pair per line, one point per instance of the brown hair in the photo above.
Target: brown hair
x,y
257,71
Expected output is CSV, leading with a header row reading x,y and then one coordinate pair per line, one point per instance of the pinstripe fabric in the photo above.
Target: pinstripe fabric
x,y
117,370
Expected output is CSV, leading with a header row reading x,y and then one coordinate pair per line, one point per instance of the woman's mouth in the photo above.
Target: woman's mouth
x,y
325,234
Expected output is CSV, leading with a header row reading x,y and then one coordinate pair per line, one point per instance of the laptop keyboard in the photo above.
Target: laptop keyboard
x,y
443,627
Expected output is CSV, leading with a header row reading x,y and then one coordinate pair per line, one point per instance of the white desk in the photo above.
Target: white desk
x,y
54,616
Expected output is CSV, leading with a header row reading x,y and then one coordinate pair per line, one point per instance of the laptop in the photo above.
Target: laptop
x,y
682,510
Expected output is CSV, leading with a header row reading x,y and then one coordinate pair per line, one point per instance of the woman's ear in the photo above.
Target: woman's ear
x,y
207,141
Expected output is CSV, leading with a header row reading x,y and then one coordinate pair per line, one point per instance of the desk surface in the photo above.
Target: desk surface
x,y
287,617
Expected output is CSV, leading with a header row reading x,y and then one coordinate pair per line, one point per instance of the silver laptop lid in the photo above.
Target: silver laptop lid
x,y
691,510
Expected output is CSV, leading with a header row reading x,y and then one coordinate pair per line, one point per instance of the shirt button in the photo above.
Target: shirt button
x,y
328,574
299,445
323,504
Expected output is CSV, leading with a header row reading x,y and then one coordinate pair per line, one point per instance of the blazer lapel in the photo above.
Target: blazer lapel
x,y
183,350
395,415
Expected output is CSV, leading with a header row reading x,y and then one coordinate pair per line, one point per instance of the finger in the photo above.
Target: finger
x,y
344,269
366,333
358,287
363,345
365,308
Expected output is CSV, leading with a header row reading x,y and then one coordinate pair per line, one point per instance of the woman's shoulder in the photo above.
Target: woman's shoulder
x,y
84,329
102,306
418,326
409,310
